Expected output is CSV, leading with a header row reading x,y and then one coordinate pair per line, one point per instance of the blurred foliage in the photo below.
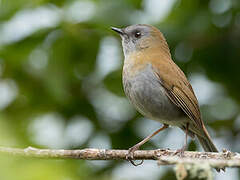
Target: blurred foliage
x,y
60,79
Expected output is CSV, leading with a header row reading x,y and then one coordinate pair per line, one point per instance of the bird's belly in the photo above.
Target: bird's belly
x,y
149,97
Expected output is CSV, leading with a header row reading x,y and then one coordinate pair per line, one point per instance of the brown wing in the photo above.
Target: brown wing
x,y
179,90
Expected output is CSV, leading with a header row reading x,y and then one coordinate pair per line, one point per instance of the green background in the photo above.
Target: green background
x,y
60,81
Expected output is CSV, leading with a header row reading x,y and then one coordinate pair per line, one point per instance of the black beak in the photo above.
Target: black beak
x,y
118,30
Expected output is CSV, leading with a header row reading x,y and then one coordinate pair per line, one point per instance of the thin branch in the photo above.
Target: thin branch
x,y
164,157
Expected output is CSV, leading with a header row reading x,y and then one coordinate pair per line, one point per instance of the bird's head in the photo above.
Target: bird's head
x,y
140,37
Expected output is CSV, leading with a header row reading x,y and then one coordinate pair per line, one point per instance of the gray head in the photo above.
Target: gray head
x,y
138,37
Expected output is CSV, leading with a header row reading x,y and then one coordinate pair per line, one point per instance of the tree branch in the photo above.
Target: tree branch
x,y
164,157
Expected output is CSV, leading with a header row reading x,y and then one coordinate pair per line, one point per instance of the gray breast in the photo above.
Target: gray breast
x,y
146,93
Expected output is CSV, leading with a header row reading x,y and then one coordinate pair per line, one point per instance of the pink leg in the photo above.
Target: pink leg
x,y
181,151
130,155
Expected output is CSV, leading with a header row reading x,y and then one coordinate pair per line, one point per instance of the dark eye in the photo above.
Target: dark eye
x,y
137,34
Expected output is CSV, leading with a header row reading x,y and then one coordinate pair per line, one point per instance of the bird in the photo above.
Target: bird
x,y
157,87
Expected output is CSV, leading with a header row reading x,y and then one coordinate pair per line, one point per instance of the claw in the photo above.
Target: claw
x,y
135,164
130,156
180,152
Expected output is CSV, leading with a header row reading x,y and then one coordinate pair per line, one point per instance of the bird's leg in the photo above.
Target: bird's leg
x,y
130,155
181,151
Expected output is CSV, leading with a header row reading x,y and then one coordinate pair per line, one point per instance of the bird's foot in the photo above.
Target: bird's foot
x,y
180,152
130,155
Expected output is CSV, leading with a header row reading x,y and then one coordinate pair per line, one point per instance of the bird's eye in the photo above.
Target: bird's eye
x,y
137,34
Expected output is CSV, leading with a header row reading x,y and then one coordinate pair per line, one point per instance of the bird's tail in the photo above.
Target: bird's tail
x,y
207,144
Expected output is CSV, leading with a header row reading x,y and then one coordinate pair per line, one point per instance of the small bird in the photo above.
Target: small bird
x,y
157,87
